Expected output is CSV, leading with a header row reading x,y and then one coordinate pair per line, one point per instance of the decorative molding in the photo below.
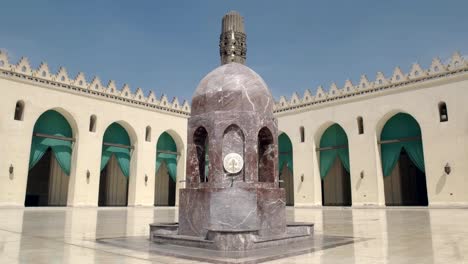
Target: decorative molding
x,y
22,71
437,70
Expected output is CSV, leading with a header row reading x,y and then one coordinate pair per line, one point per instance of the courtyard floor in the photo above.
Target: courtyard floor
x,y
395,235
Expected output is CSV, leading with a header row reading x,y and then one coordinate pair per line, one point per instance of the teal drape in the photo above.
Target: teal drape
x,y
167,143
285,152
399,126
52,123
116,134
332,137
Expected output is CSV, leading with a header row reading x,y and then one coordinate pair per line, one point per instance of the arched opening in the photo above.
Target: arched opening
x,y
285,166
19,111
166,171
360,125
49,161
200,139
266,156
148,134
334,167
403,162
443,114
115,167
233,142
92,123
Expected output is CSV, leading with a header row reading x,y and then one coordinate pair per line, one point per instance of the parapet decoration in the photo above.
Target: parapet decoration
x,y
399,79
79,84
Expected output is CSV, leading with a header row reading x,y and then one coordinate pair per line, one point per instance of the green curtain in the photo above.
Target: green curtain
x,y
167,143
332,137
52,123
116,134
285,153
399,126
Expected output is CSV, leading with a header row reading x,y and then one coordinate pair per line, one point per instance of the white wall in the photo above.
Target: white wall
x,y
77,109
443,143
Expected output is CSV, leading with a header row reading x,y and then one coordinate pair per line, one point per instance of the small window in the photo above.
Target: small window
x,y
360,124
44,74
443,114
2,63
301,130
148,134
92,123
23,69
19,110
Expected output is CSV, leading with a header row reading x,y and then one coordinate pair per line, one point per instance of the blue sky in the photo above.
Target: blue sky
x,y
168,46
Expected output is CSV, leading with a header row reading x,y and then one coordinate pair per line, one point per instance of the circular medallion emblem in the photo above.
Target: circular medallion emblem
x,y
233,163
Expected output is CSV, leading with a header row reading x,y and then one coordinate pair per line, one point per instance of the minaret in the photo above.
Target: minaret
x,y
232,41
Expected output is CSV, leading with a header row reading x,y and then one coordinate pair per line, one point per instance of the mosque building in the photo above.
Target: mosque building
x,y
399,140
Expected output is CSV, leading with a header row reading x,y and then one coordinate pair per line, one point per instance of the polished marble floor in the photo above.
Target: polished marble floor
x,y
396,235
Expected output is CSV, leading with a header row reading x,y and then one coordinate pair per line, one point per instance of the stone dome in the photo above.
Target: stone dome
x,y
232,86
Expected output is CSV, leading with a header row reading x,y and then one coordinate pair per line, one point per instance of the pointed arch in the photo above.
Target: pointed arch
x,y
116,142
285,166
333,143
50,160
166,151
401,131
52,130
402,157
285,150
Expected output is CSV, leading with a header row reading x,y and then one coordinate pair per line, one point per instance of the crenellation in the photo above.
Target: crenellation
x,y
42,74
175,103
112,88
456,61
80,81
307,96
164,101
417,72
334,90
139,95
380,80
348,87
4,62
186,106
364,83
398,76
283,102
62,76
96,85
23,66
151,98
437,66
126,92
437,69
294,99
320,94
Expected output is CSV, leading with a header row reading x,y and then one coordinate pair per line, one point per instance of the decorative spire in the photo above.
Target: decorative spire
x,y
232,41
